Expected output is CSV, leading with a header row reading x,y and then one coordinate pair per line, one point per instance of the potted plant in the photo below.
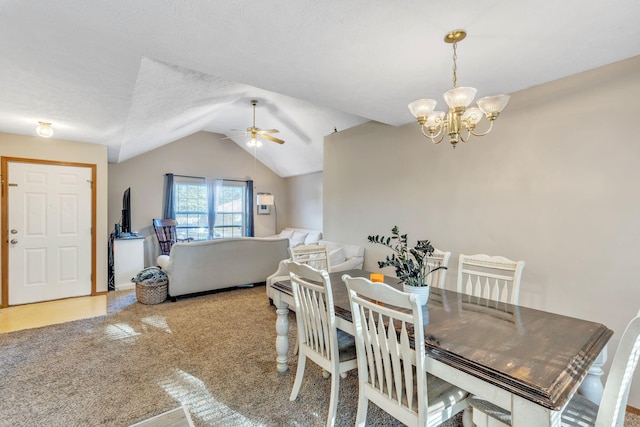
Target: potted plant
x,y
410,264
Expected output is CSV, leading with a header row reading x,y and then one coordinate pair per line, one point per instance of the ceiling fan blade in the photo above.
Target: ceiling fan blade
x,y
236,135
269,131
271,138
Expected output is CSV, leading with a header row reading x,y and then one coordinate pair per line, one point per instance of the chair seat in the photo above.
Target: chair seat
x,y
580,412
346,346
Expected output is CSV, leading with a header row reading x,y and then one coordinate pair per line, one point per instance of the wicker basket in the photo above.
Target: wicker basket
x,y
151,293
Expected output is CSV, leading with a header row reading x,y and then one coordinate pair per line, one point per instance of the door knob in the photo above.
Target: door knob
x,y
14,241
14,231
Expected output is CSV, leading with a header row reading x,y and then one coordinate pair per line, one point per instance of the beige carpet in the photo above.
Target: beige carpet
x,y
213,353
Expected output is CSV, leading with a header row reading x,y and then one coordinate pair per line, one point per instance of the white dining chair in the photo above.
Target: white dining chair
x,y
391,374
318,338
438,259
493,278
316,256
580,411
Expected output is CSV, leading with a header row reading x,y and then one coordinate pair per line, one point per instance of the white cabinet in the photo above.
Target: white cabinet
x,y
128,260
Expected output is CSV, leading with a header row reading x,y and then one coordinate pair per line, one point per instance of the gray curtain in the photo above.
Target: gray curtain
x,y
169,211
249,232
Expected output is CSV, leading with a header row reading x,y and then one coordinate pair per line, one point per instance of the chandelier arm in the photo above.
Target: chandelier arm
x,y
438,141
433,137
463,139
429,134
486,132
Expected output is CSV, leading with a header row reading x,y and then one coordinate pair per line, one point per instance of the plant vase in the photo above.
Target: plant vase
x,y
421,291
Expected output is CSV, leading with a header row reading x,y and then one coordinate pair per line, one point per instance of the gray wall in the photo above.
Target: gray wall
x,y
304,193
555,184
202,154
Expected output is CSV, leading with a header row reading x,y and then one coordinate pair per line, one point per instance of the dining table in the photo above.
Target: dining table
x,y
527,361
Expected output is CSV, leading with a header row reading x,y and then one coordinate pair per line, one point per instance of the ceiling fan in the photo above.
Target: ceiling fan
x,y
256,133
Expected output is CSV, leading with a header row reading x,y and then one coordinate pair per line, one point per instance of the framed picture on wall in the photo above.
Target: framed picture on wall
x,y
264,209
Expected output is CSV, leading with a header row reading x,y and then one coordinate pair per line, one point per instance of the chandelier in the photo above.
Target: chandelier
x,y
461,120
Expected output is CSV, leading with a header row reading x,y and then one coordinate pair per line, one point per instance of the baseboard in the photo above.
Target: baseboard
x,y
633,410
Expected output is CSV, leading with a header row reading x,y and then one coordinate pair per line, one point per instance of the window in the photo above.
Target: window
x,y
230,203
192,208
192,212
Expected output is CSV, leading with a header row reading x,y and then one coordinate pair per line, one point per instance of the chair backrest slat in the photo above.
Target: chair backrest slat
x,y
438,277
316,256
166,232
493,278
383,341
314,309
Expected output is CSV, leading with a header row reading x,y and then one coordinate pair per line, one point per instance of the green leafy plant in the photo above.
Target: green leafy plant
x,y
411,264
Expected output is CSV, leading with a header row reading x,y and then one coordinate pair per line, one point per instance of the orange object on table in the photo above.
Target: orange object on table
x,y
376,277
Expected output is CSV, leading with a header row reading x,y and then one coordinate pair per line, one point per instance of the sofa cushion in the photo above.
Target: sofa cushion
x,y
336,256
313,238
297,239
286,233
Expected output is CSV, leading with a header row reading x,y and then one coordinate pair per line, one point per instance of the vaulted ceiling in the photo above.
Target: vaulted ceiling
x,y
137,74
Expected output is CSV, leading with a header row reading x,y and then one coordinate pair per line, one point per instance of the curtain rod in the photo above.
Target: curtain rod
x,y
201,177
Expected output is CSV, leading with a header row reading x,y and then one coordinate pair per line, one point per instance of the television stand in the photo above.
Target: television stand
x,y
128,260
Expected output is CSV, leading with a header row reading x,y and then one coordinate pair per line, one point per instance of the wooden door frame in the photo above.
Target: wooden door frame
x,y
4,172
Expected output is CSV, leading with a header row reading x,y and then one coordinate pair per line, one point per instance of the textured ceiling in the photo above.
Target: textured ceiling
x,y
137,74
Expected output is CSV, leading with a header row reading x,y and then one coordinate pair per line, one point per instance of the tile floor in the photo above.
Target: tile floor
x,y
28,316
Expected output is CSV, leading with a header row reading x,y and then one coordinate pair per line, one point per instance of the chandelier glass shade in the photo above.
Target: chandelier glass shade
x,y
460,121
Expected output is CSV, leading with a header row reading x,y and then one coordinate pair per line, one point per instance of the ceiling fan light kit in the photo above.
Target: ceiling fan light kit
x,y
255,133
460,121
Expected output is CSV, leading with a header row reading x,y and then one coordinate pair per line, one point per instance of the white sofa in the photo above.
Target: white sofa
x,y
222,263
342,257
299,236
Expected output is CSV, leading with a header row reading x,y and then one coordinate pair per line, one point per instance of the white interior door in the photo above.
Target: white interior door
x,y
49,223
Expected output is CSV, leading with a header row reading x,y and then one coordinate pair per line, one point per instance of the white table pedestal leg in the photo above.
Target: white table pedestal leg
x,y
591,387
282,338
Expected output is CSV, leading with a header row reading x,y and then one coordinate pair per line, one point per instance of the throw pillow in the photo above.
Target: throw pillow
x,y
336,257
313,238
286,234
297,239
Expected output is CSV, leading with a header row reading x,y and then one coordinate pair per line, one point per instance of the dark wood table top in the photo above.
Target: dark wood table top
x,y
540,356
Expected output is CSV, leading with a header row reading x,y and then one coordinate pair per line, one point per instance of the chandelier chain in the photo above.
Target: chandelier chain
x,y
455,65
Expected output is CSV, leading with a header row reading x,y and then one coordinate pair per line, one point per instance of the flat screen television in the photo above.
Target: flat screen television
x,y
125,226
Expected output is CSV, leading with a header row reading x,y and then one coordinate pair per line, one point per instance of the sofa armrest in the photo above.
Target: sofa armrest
x,y
349,264
281,274
163,262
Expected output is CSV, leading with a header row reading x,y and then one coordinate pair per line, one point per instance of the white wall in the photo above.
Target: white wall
x,y
304,193
201,154
32,147
555,184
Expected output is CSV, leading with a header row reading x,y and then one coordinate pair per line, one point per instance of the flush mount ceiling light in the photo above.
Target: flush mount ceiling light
x,y
461,120
44,130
